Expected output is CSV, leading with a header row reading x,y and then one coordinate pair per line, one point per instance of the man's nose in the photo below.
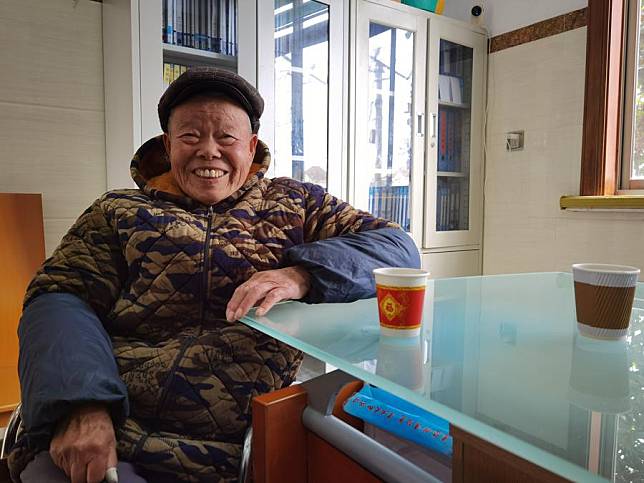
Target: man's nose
x,y
209,149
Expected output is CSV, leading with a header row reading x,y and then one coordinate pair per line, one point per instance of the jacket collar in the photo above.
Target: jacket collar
x,y
150,170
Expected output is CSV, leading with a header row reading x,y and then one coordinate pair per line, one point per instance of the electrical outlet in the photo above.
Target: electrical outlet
x,y
514,140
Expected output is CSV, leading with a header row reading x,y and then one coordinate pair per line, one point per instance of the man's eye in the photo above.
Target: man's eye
x,y
189,137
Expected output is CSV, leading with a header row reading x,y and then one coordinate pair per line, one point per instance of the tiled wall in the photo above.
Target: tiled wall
x,y
539,87
51,99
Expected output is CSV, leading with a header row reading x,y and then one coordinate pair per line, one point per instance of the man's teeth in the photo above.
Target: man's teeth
x,y
209,173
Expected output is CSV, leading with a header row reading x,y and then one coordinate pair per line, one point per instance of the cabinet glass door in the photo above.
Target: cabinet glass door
x,y
455,139
454,129
387,182
301,84
301,90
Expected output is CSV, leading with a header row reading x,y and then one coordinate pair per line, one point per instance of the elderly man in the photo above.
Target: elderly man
x,y
129,341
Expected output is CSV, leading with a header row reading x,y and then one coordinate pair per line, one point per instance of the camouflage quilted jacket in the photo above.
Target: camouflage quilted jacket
x,y
157,269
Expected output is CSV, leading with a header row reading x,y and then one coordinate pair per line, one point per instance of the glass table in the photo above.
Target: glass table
x,y
499,357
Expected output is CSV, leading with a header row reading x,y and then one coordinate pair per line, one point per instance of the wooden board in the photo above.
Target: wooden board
x,y
22,250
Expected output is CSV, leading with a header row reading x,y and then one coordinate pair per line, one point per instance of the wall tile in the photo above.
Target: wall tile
x,y
539,87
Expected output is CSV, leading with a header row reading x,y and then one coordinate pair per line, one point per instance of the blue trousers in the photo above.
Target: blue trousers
x,y
42,469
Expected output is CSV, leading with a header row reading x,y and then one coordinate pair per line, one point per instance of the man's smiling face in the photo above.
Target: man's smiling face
x,y
210,146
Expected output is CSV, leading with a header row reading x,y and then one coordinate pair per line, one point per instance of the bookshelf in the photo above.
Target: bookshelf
x,y
455,99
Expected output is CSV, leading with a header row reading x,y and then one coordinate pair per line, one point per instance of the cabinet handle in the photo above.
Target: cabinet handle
x,y
420,128
432,142
434,117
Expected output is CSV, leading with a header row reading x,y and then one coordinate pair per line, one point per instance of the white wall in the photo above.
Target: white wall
x,y
539,87
500,16
51,99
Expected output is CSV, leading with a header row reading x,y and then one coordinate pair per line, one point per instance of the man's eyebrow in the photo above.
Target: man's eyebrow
x,y
183,124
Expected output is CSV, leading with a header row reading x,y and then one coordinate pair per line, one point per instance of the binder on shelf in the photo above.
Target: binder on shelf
x,y
178,38
451,139
221,25
167,74
444,88
208,25
456,91
169,21
442,140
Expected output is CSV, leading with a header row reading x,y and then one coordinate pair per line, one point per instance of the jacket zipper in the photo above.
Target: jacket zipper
x,y
206,261
204,293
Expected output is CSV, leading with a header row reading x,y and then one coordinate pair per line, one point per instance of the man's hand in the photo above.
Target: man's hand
x,y
272,286
84,445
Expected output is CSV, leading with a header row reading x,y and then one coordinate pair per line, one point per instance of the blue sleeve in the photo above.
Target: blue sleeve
x,y
341,267
65,359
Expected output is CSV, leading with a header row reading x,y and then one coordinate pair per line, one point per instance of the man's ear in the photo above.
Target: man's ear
x,y
252,146
166,143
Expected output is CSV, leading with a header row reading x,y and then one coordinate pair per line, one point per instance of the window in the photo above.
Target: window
x,y
633,134
613,137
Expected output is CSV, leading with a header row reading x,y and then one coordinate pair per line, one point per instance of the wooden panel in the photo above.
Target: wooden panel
x,y
326,464
338,411
477,460
602,107
279,438
22,250
52,53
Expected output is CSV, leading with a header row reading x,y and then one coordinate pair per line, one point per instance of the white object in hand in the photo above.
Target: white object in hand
x,y
111,475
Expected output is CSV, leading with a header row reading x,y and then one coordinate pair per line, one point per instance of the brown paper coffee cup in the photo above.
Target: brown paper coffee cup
x,y
604,298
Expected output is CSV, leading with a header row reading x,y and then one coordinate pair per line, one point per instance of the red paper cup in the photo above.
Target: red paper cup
x,y
401,296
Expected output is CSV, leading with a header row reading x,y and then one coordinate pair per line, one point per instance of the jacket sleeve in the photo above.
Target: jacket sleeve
x,y
65,360
88,263
66,356
343,247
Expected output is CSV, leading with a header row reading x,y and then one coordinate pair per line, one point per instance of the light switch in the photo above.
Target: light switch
x,y
514,140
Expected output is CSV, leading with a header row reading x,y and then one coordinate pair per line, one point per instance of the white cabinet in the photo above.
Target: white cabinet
x,y
458,263
417,155
454,144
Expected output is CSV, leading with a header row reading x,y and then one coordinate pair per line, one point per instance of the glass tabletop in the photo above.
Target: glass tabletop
x,y
501,358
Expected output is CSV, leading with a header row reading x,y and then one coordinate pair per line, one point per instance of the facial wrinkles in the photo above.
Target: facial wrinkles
x,y
211,165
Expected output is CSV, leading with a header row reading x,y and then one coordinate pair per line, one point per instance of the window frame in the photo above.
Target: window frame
x,y
605,155
602,140
631,47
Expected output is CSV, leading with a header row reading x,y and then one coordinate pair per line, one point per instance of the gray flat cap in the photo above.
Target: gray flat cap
x,y
203,80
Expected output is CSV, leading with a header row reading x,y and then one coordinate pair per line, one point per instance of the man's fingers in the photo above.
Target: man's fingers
x,y
235,300
274,296
96,470
112,459
252,296
78,472
60,460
